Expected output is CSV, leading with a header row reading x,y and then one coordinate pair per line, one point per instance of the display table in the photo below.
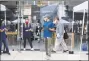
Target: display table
x,y
11,33
12,37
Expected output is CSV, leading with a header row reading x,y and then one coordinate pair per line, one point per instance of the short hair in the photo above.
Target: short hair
x,y
57,18
47,16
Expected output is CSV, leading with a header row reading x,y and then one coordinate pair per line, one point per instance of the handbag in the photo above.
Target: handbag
x,y
65,36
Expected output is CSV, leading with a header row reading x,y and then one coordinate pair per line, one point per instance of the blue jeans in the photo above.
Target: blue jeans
x,y
5,44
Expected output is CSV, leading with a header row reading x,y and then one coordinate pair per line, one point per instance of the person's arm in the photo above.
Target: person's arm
x,y
60,30
30,28
0,30
51,27
42,29
6,29
3,28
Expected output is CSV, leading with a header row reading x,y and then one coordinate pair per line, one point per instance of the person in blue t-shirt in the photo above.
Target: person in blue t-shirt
x,y
48,28
3,39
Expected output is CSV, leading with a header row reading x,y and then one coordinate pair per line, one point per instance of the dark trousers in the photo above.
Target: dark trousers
x,y
5,45
29,40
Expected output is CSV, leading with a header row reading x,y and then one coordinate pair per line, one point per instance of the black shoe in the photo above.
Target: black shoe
x,y
65,51
53,51
0,53
8,53
4,52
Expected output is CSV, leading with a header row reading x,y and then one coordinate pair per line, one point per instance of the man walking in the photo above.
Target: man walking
x,y
59,35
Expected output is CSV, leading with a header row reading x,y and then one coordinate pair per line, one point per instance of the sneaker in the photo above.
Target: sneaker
x,y
0,53
53,51
47,57
32,49
4,52
8,53
65,51
24,49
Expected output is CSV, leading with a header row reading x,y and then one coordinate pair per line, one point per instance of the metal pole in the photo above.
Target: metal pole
x,y
72,32
19,25
82,29
5,17
72,39
22,18
72,22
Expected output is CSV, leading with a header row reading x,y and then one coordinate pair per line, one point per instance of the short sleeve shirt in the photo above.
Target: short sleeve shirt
x,y
46,26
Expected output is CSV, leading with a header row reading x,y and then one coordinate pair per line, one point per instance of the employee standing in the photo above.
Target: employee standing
x,y
3,39
27,30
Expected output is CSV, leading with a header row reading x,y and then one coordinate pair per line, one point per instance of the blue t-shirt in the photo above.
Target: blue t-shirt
x,y
2,34
46,26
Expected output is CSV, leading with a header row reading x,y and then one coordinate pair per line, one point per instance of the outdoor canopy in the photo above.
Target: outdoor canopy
x,y
2,7
83,7
48,9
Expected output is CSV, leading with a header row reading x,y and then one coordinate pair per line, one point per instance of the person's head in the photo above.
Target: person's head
x,y
26,22
47,18
56,20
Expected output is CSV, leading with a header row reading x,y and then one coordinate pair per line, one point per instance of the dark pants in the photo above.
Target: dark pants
x,y
29,40
5,45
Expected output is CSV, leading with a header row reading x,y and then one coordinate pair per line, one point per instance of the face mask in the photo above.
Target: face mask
x,y
54,22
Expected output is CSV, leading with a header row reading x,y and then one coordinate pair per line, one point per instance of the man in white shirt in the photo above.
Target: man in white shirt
x,y
59,35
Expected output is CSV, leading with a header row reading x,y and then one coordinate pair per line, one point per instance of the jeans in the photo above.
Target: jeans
x,y
5,45
48,46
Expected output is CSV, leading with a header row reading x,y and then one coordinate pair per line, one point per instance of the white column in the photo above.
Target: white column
x,y
5,18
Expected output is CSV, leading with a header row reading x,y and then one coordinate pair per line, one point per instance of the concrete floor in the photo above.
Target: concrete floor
x,y
39,55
